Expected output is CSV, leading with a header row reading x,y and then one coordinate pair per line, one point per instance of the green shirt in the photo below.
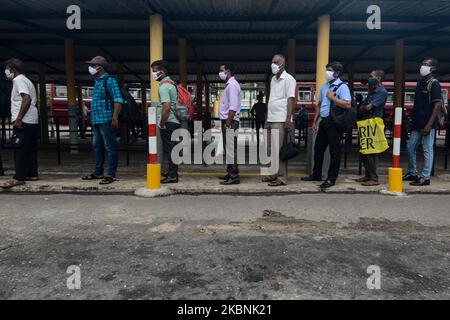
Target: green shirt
x,y
167,93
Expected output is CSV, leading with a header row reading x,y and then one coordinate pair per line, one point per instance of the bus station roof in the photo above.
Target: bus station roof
x,y
244,32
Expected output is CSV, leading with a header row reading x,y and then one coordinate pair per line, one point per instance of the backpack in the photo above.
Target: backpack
x,y
443,112
123,117
344,119
185,110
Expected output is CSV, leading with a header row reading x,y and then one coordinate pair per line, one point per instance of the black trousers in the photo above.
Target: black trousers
x,y
328,135
168,145
232,168
25,158
370,162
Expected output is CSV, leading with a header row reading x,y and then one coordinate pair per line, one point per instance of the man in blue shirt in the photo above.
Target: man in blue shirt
x,y
106,105
427,103
334,93
371,108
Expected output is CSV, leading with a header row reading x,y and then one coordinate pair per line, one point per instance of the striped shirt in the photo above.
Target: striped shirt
x,y
102,111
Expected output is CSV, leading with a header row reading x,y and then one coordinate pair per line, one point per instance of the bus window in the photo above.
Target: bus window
x,y
390,98
304,96
409,97
60,92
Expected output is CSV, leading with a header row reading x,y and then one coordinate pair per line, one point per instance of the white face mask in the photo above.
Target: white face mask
x,y
92,71
275,68
156,75
329,76
222,76
425,71
9,74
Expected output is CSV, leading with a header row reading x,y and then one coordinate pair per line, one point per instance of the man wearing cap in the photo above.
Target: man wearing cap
x,y
106,105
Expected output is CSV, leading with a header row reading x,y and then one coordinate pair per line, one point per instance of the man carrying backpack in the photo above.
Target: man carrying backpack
x,y
106,105
166,117
425,114
337,94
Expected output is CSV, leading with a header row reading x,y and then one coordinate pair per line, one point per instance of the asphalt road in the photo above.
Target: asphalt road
x,y
224,247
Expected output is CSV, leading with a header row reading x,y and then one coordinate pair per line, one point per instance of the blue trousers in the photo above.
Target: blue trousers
x,y
105,140
427,143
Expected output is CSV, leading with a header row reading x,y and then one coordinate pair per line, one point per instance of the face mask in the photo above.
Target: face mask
x,y
92,71
156,75
223,76
329,75
8,74
425,71
275,68
372,82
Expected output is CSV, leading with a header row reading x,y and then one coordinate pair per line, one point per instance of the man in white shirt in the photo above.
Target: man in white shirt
x,y
279,114
24,116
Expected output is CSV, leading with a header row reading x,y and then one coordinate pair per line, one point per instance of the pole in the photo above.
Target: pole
x,y
71,94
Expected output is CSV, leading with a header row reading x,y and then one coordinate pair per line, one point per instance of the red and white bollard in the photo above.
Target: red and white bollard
x,y
396,172
153,168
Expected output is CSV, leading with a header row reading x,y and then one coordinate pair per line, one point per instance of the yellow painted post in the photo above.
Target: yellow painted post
x,y
292,57
156,53
182,61
323,51
71,94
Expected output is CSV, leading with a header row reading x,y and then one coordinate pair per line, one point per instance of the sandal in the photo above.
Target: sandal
x,y
108,180
33,179
92,177
12,183
363,179
277,183
269,179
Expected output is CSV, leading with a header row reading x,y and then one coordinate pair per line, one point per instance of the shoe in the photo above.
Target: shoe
x,y
169,180
312,178
164,174
231,181
327,184
370,183
410,177
363,179
227,177
421,183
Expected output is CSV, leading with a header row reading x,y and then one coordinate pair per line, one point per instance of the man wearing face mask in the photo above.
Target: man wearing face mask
x,y
230,110
371,108
24,115
165,115
337,93
427,103
279,115
106,105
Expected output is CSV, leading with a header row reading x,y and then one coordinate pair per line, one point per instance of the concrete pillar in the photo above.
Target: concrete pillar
x,y
182,61
43,107
199,94
120,75
399,77
156,53
323,50
71,94
292,57
323,56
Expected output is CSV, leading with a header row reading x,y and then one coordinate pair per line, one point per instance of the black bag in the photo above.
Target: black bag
x,y
344,119
123,113
16,141
290,150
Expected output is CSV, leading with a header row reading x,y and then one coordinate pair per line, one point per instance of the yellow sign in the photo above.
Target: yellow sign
x,y
371,136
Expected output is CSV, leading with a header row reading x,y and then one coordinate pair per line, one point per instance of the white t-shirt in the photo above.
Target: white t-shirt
x,y
280,91
22,84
